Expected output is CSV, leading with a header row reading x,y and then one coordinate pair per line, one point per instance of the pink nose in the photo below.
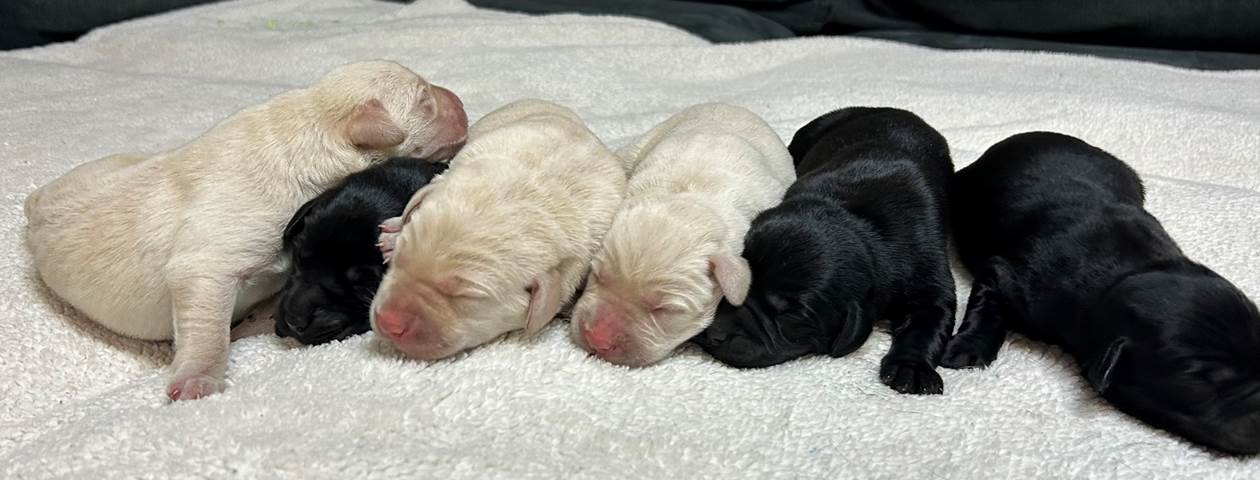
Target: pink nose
x,y
391,323
451,113
601,337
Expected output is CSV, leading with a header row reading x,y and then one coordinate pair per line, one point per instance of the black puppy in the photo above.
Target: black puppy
x,y
860,236
332,240
1062,250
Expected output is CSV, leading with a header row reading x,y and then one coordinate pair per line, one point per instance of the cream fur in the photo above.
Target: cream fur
x,y
522,209
178,244
697,181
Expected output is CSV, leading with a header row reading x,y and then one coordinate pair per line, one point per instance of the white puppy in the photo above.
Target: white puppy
x,y
181,243
502,240
674,248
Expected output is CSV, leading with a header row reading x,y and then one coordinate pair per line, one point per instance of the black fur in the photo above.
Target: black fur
x,y
332,240
1062,251
860,237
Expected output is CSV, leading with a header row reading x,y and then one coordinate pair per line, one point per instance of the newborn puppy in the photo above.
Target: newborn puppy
x,y
181,243
860,236
1062,251
673,250
503,239
332,242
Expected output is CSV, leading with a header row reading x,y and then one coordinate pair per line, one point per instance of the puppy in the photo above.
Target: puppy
x,y
860,236
673,250
1062,251
503,239
332,242
179,244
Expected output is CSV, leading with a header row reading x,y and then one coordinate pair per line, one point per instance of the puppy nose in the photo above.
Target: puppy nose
x,y
295,322
601,338
453,114
287,315
392,323
451,96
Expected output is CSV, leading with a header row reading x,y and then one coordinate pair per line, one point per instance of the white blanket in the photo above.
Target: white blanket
x,y
77,401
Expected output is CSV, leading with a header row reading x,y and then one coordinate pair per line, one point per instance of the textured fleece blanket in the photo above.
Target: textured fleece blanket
x,y
79,402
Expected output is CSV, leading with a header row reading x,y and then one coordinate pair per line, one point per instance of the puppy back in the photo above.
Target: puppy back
x,y
1044,163
863,133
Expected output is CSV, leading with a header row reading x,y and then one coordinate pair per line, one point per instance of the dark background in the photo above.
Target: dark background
x,y
1204,34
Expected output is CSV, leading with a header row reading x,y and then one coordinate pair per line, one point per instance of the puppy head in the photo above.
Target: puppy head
x,y
383,109
1177,346
465,272
656,283
336,270
808,295
861,128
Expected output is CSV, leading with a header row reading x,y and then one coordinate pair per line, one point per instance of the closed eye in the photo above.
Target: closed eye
x,y
669,309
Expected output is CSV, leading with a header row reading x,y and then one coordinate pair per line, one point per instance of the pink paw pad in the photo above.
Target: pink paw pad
x,y
194,387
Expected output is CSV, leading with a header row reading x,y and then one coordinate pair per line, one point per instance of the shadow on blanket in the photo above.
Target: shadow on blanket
x,y
154,354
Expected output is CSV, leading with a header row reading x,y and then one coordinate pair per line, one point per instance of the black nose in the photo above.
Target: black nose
x,y
296,323
702,339
294,312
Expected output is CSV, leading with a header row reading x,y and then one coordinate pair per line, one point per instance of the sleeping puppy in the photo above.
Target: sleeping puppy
x,y
1063,251
332,243
503,239
673,250
860,236
179,244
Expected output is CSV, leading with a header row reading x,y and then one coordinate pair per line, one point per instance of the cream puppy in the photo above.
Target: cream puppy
x,y
501,241
180,244
673,250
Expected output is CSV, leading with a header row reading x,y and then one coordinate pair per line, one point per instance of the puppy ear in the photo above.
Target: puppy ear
x,y
807,136
732,275
544,301
855,327
370,128
1099,373
298,222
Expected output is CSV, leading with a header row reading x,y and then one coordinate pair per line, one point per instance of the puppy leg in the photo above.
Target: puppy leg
x,y
982,331
920,335
202,310
389,237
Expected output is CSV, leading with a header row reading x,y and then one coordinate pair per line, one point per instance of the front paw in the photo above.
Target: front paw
x,y
192,387
964,351
911,376
390,229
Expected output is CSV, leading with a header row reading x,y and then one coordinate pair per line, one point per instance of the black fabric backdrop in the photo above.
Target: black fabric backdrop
x,y
1206,34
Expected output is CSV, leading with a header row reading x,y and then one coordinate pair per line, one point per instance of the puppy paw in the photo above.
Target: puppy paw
x,y
389,237
965,352
913,377
392,225
193,387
